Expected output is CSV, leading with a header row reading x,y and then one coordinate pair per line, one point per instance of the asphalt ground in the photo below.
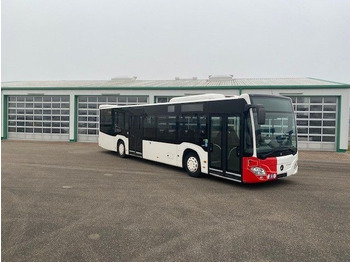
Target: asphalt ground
x,y
78,202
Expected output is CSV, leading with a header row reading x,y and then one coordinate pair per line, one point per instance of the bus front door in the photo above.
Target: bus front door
x,y
135,135
224,149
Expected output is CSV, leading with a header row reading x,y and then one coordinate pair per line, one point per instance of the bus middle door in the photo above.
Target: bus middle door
x,y
136,135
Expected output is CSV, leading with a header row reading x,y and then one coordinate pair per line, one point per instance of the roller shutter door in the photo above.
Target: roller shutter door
x,y
38,117
88,114
316,122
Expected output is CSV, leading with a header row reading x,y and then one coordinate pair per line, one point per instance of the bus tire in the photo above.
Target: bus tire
x,y
192,165
121,149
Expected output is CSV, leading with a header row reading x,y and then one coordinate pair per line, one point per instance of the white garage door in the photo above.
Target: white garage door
x,y
38,117
88,114
316,122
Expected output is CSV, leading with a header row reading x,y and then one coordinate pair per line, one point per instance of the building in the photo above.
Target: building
x,y
68,110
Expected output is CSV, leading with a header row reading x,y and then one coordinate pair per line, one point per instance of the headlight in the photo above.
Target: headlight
x,y
258,171
296,164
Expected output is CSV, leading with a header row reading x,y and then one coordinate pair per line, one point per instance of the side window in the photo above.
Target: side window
x,y
188,127
127,121
162,127
150,127
119,121
166,128
203,127
106,121
172,127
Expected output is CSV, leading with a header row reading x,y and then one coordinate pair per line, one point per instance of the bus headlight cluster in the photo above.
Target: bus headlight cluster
x,y
296,165
258,171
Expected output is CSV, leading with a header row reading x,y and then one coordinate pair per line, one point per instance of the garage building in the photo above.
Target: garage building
x,y
68,110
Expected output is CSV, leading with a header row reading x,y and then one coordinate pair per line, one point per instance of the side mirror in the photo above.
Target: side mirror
x,y
260,111
261,114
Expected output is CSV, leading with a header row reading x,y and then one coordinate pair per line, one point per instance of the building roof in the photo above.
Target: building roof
x,y
174,84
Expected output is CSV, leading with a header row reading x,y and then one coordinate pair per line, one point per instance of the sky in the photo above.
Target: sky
x,y
161,40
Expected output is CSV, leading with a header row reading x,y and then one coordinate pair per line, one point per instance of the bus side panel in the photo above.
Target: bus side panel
x,y
172,154
107,142
160,152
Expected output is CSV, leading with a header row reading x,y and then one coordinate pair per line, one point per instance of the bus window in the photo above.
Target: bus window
x,y
166,128
203,131
106,121
119,121
248,140
150,127
188,128
162,131
233,143
216,141
172,127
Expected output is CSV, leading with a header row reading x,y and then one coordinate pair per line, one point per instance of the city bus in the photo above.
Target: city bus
x,y
249,138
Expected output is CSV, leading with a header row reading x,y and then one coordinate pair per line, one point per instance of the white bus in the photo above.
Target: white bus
x,y
246,138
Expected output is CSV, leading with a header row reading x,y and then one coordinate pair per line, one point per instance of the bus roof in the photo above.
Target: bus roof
x,y
186,99
197,98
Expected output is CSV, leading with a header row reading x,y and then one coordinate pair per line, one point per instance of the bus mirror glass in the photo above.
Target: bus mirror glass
x,y
260,110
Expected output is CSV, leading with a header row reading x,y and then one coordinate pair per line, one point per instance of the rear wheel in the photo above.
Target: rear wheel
x,y
192,165
121,149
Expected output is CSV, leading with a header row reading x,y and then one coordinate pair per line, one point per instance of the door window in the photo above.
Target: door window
x,y
233,142
216,141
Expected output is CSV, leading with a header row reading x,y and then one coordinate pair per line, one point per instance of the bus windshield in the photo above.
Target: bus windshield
x,y
277,137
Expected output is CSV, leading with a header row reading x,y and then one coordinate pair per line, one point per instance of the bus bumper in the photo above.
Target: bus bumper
x,y
257,170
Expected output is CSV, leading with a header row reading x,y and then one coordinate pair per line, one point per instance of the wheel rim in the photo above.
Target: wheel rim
x,y
121,149
192,164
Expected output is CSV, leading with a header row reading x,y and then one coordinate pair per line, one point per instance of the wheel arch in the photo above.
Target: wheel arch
x,y
185,148
125,140
119,140
186,152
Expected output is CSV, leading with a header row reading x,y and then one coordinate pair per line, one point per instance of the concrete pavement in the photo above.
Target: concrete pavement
x,y
78,202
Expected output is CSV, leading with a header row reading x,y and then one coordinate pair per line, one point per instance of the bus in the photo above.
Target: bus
x,y
250,138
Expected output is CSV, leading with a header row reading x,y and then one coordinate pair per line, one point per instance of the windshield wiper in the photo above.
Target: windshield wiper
x,y
278,149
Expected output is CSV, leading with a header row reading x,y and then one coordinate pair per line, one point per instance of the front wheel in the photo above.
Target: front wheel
x,y
192,165
121,149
